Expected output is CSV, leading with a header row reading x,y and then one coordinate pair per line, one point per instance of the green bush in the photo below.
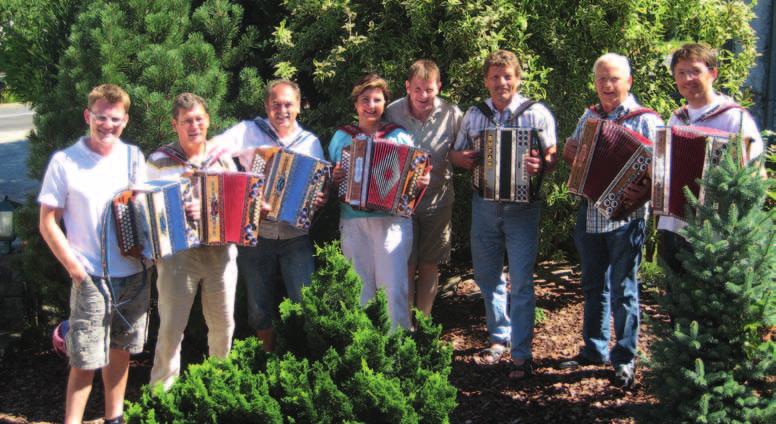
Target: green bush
x,y
335,362
714,363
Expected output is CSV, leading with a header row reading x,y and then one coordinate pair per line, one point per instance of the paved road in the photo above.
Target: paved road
x,y
15,124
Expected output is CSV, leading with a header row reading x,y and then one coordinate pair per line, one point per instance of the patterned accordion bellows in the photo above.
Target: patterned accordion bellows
x,y
683,154
151,221
292,182
231,207
610,158
382,175
501,174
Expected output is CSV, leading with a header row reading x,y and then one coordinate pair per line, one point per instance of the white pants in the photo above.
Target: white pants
x,y
379,248
215,269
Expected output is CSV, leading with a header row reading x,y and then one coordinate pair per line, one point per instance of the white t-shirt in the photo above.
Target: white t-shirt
x,y
82,183
731,121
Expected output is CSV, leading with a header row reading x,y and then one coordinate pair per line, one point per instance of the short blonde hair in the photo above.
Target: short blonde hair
x,y
502,58
370,81
424,69
111,93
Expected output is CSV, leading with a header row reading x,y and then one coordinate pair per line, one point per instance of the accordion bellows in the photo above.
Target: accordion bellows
x,y
682,156
151,221
501,174
292,182
231,207
382,175
610,158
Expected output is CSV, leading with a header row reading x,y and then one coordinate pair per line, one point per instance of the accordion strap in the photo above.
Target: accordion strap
x,y
270,132
172,152
354,130
634,113
597,109
683,113
488,112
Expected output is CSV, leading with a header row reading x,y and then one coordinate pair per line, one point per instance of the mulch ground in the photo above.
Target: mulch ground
x,y
32,384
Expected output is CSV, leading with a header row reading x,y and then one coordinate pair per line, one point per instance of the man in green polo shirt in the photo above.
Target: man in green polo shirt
x,y
434,125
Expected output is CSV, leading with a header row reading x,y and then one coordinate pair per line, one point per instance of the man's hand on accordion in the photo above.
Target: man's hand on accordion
x,y
634,193
337,174
193,210
533,163
425,179
320,199
465,159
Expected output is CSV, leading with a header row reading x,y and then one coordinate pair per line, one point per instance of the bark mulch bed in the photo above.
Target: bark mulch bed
x,y
32,384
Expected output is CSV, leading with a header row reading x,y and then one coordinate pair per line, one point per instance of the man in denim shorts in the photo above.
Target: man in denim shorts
x,y
108,305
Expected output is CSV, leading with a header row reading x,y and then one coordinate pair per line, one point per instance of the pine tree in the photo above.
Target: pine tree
x,y
335,362
714,364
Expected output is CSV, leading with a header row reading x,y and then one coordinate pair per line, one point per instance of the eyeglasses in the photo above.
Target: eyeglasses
x,y
101,119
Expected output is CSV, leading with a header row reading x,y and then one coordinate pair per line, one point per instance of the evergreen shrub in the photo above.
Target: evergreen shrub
x,y
335,362
715,362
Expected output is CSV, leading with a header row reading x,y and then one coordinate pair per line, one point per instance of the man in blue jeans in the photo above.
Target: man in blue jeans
x,y
499,227
610,251
281,248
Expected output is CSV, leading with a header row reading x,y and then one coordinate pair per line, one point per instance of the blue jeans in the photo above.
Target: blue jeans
x,y
610,263
259,266
512,227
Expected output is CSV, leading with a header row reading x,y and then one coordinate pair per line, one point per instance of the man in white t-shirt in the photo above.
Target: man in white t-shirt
x,y
108,305
694,67
282,248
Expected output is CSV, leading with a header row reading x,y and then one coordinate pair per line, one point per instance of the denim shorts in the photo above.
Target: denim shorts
x,y
104,317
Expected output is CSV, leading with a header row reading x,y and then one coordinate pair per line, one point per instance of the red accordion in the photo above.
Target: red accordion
x,y
610,158
682,156
382,175
231,207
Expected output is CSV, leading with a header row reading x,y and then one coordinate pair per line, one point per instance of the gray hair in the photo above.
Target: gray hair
x,y
613,59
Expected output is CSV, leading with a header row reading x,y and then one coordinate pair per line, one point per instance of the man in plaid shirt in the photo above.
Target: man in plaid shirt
x,y
610,251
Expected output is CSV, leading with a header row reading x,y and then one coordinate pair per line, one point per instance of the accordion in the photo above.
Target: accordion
x,y
292,182
151,221
231,207
610,158
382,175
682,156
501,173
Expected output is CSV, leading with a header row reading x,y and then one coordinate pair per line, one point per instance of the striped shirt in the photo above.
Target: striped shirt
x,y
537,116
645,124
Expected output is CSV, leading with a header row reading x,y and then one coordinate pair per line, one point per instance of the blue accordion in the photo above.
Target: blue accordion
x,y
151,221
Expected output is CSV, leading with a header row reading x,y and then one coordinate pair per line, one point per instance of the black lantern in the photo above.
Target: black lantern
x,y
7,209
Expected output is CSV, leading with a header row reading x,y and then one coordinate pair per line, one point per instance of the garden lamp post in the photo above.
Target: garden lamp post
x,y
7,233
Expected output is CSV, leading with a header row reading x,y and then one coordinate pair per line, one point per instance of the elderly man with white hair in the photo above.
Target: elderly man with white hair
x,y
610,251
